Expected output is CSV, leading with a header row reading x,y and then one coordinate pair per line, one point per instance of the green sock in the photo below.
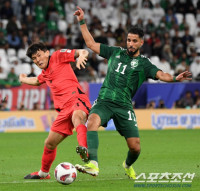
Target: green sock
x,y
93,144
131,158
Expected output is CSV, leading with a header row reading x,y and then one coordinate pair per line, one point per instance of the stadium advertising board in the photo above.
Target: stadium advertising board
x,y
30,95
165,119
156,119
26,121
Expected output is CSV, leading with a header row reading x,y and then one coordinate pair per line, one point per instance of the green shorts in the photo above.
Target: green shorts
x,y
124,118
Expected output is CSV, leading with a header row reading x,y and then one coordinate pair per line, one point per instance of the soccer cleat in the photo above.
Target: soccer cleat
x,y
83,152
35,175
88,168
129,171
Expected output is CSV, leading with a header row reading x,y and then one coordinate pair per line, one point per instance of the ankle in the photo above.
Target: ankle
x,y
94,162
42,174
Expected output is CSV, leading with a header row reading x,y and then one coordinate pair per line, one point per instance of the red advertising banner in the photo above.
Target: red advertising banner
x,y
30,95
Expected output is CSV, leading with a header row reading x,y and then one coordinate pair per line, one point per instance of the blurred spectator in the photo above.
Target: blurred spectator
x,y
151,105
161,104
36,106
119,33
196,104
146,49
167,53
17,65
3,75
150,27
59,40
157,13
184,6
21,106
12,25
14,40
134,13
171,17
187,101
196,95
30,24
3,41
197,40
12,78
174,62
164,65
187,38
6,11
181,67
155,42
32,73
102,68
51,12
184,58
2,29
4,106
16,6
147,3
195,69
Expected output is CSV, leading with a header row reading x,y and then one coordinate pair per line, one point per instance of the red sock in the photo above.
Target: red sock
x,y
48,158
82,135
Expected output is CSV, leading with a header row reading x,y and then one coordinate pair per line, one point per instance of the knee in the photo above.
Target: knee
x,y
135,147
49,145
94,122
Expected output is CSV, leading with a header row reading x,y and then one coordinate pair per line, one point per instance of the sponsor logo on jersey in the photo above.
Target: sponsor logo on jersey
x,y
134,63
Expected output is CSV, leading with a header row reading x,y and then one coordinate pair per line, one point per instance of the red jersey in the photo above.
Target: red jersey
x,y
60,77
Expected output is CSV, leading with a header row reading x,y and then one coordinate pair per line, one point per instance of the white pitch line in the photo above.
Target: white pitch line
x,y
48,181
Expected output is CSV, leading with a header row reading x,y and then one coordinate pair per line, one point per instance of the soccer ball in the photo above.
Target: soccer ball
x,y
65,173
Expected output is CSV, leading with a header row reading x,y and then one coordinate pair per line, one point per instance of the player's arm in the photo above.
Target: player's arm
x,y
89,40
166,77
29,80
82,56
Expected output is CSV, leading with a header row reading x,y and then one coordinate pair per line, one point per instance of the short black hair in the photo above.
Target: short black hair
x,y
136,30
33,48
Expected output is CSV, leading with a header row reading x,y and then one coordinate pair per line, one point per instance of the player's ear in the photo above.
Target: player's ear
x,y
47,53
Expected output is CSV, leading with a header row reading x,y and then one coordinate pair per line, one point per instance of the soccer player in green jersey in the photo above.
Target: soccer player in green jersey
x,y
127,70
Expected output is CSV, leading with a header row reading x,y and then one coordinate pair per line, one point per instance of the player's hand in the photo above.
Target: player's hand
x,y
21,77
79,14
81,62
184,76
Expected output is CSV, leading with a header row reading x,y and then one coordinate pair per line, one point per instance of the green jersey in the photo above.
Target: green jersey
x,y
125,74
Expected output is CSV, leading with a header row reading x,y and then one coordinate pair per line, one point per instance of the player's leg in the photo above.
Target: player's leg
x,y
79,119
133,154
91,167
99,115
48,156
126,125
81,108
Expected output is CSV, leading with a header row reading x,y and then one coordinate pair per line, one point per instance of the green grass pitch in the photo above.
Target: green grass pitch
x,y
162,151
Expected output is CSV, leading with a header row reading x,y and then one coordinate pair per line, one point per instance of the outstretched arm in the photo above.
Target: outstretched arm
x,y
89,40
165,77
82,56
29,80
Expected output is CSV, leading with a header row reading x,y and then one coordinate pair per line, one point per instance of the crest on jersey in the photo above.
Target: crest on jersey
x,y
134,63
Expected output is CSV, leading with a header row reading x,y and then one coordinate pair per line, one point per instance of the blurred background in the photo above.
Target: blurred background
x,y
172,42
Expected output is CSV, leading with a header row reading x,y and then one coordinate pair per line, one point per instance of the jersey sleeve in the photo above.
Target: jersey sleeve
x,y
150,69
41,79
65,55
106,51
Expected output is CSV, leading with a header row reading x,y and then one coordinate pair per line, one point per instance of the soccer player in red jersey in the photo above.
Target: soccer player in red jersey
x,y
70,101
